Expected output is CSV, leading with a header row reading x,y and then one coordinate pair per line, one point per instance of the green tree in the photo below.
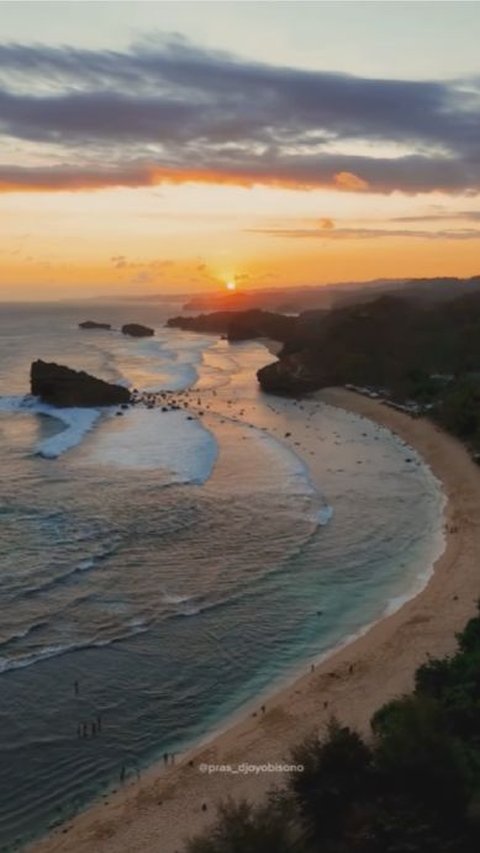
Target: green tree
x,y
241,827
416,753
336,774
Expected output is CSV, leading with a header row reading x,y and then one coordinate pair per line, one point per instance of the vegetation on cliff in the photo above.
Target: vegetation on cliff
x,y
406,350
414,787
388,341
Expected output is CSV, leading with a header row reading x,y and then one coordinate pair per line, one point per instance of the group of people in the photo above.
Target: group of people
x,y
93,727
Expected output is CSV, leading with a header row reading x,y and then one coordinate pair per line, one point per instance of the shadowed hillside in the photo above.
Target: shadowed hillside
x,y
382,342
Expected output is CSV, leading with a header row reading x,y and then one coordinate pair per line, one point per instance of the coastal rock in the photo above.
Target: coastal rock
x,y
290,375
91,324
62,386
136,330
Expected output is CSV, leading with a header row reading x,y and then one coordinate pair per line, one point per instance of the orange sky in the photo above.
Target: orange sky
x,y
197,237
171,166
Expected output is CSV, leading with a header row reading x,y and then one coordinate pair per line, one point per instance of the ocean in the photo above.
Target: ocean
x,y
158,573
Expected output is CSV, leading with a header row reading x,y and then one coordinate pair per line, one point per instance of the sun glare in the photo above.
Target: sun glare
x,y
231,285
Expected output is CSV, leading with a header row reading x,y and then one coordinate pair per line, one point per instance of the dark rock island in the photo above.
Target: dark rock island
x,y
62,386
136,330
91,324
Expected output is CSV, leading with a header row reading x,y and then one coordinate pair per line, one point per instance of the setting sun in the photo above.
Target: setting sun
x,y
230,285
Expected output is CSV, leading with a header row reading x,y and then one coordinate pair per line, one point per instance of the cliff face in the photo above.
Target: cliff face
x,y
61,386
290,375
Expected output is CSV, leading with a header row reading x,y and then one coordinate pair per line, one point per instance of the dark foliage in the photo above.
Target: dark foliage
x,y
414,789
336,775
241,827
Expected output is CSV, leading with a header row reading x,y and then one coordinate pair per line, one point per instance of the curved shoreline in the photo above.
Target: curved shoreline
x,y
158,812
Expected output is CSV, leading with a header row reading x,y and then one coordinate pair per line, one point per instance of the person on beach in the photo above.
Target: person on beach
x,y
122,774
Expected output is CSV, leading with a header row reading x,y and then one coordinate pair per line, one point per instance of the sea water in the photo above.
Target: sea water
x,y
174,568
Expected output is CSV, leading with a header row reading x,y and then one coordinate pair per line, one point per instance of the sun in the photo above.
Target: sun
x,y
230,285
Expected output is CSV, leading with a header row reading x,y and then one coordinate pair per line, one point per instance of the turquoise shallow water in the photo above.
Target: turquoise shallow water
x,y
174,569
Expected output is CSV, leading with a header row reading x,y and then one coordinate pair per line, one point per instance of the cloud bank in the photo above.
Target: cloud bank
x,y
167,111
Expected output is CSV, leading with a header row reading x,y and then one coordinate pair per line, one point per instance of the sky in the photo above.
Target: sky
x,y
162,147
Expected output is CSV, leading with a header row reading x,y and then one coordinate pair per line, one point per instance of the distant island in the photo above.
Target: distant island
x,y
134,330
91,324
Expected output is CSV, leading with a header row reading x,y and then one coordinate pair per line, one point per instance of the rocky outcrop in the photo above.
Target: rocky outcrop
x,y
136,330
290,375
62,386
91,324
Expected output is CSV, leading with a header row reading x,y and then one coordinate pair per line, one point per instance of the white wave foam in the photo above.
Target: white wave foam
x,y
324,515
152,439
168,362
189,611
296,477
136,626
85,565
77,422
170,598
22,633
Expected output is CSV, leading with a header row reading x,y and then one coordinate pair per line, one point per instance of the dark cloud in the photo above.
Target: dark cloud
x,y
466,215
368,233
119,261
166,110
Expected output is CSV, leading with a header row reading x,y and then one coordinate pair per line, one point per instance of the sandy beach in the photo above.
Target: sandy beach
x,y
163,808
